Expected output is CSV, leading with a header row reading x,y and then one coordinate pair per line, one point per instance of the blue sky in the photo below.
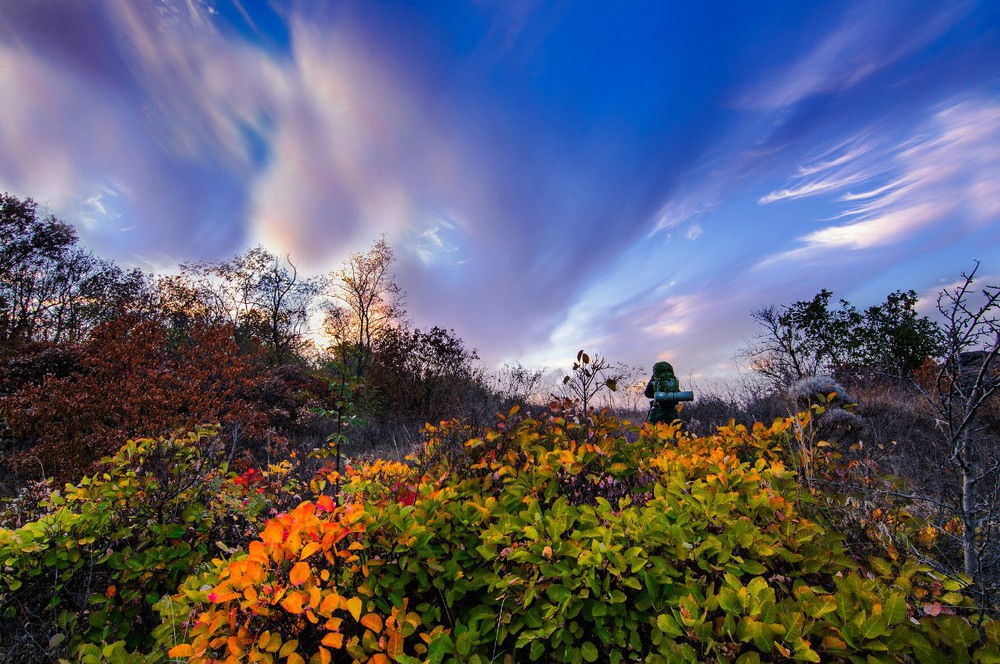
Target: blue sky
x,y
630,177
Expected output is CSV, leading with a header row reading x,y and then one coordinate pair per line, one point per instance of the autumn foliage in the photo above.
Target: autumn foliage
x,y
639,545
130,380
563,535
531,542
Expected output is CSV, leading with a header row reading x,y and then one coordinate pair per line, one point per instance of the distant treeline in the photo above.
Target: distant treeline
x,y
92,354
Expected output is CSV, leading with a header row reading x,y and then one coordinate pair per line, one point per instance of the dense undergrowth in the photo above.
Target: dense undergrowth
x,y
534,542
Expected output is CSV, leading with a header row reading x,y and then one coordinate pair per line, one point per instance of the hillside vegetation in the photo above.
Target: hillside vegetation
x,y
529,543
843,504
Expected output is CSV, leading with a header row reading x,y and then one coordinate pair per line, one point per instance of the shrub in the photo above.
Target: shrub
x,y
632,545
100,554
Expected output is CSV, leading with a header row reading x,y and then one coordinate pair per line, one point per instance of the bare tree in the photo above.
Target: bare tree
x,y
591,376
515,384
966,380
366,301
262,295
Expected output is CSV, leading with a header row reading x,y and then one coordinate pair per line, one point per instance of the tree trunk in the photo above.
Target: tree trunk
x,y
970,517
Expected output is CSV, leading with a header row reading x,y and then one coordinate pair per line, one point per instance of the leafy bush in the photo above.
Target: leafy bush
x,y
101,553
627,545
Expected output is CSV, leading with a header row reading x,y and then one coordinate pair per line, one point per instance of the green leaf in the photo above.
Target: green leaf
x,y
752,567
807,655
729,601
667,624
558,593
439,647
895,608
874,627
463,644
589,651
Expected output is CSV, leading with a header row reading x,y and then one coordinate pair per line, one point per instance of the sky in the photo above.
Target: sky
x,y
627,177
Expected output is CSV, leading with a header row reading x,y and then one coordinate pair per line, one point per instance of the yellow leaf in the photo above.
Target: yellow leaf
x,y
300,572
354,606
334,640
288,648
373,622
273,643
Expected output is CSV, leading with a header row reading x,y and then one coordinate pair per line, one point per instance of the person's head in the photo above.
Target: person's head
x,y
663,370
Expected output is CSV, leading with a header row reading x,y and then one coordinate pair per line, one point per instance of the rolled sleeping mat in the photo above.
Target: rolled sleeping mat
x,y
673,396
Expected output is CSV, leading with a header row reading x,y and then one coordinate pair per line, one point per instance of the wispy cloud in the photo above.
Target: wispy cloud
x,y
945,175
869,37
843,165
815,187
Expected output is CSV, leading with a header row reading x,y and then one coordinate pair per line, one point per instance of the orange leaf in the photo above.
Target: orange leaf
x,y
273,533
300,572
257,551
395,645
183,650
325,503
329,603
354,606
308,550
292,603
373,622
235,647
334,639
295,658
833,643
